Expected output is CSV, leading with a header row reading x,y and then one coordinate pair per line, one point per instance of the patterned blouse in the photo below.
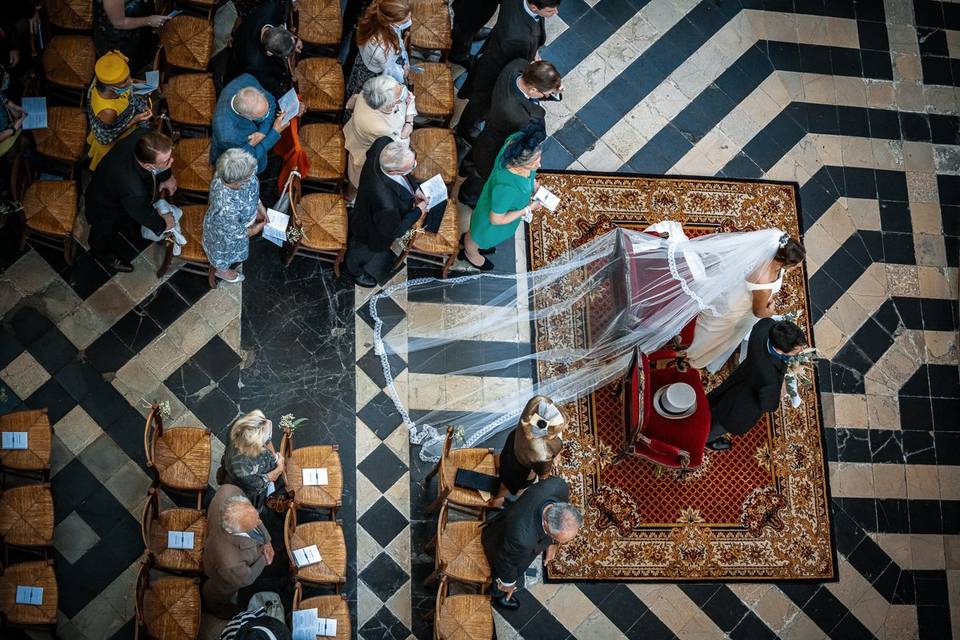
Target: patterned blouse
x,y
249,473
225,225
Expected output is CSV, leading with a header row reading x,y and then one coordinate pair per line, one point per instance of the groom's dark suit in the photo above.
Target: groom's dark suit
x,y
753,388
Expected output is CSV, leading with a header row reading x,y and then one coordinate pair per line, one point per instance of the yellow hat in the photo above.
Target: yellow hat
x,y
112,68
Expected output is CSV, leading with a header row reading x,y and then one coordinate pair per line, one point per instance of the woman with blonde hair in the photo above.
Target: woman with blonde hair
x,y
380,43
250,461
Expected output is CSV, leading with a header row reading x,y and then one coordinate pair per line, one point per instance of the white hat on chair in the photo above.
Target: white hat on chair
x,y
675,401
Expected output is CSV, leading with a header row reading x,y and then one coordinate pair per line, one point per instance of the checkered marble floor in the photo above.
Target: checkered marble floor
x,y
856,101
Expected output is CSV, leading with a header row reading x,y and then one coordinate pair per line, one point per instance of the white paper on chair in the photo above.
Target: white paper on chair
x,y
327,627
307,555
150,83
434,191
179,539
289,104
15,439
546,197
29,595
315,477
36,109
306,624
276,228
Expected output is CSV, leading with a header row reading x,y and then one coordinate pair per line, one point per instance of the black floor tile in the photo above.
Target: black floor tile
x,y
938,315
383,625
191,287
29,325
893,515
216,410
382,467
898,248
825,609
164,305
916,413
80,379
189,383
53,351
101,511
934,623
371,364
72,484
383,522
886,446
108,353
52,397
383,576
946,414
915,126
925,516
86,275
105,405
947,446
380,414
216,358
920,447
10,347
136,329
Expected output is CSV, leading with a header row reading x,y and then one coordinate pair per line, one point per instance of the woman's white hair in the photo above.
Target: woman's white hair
x,y
395,156
233,510
378,91
236,165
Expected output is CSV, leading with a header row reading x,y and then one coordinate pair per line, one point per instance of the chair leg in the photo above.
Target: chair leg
x,y
430,579
167,258
403,256
430,546
338,261
24,232
432,473
436,504
212,276
447,265
68,250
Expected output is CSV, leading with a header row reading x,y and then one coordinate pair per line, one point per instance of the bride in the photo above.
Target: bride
x,y
719,332
592,307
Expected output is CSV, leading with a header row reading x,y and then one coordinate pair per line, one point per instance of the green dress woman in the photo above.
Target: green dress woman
x,y
506,199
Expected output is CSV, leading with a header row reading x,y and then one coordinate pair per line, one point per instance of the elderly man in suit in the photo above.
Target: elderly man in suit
x,y
537,522
516,103
236,550
389,202
242,121
519,33
756,385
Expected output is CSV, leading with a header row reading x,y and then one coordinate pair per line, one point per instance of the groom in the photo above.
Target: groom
x,y
756,384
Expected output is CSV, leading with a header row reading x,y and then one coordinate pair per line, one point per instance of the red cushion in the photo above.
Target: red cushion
x,y
688,434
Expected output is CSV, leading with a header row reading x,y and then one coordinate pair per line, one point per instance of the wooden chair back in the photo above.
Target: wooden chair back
x,y
151,433
447,471
441,597
289,526
143,583
151,509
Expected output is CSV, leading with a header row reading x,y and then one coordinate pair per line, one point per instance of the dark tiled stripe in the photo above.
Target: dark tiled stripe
x,y
897,515
617,603
727,611
464,354
826,610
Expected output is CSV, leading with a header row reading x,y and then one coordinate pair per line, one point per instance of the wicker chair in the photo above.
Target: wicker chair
x,y
65,138
35,459
38,573
320,85
49,209
436,151
440,248
328,496
190,99
434,91
186,42
431,27
26,516
70,15
318,22
327,607
459,552
167,608
68,64
192,255
178,458
154,526
462,617
326,152
458,498
328,536
191,166
322,220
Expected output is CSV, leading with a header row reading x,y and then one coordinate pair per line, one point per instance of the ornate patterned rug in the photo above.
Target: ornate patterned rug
x,y
759,511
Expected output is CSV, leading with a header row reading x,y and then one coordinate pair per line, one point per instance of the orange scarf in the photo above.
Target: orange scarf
x,y
294,157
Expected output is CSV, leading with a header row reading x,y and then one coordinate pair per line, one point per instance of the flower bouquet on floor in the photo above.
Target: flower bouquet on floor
x,y
798,374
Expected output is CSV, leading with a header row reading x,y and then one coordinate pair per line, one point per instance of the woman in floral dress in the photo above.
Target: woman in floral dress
x,y
235,213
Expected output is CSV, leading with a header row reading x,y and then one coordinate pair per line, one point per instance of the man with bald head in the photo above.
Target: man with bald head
x,y
235,552
245,119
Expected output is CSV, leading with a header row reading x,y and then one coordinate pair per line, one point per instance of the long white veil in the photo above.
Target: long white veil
x,y
589,308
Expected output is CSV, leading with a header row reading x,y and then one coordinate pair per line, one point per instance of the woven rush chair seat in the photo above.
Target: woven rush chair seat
x,y
36,457
191,164
431,26
320,83
171,608
464,617
327,607
75,15
65,137
50,207
328,536
187,42
29,574
155,525
319,21
68,61
26,516
434,90
460,552
182,457
325,149
191,225
436,153
445,243
326,496
479,460
324,222
191,98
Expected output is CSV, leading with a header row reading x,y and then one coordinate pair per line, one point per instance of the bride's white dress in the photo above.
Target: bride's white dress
x,y
718,334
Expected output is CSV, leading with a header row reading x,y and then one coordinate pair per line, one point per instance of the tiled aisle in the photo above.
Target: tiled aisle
x,y
857,101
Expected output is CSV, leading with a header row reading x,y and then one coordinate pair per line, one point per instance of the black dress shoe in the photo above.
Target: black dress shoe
x,y
483,252
720,444
503,602
486,266
119,264
364,280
